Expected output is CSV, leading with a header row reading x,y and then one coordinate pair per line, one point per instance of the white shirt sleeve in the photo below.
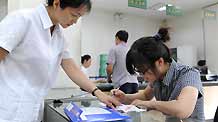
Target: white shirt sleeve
x,y
12,30
66,52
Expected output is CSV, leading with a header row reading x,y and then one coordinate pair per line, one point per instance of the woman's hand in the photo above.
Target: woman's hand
x,y
108,100
118,94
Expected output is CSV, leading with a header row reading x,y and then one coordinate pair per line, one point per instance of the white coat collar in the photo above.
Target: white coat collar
x,y
43,13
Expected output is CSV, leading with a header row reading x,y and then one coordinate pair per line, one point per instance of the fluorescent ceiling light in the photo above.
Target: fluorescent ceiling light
x,y
163,8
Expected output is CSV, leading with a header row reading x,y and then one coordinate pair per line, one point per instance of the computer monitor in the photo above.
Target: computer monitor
x,y
173,52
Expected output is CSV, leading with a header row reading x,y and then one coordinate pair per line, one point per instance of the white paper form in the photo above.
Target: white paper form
x,y
129,108
91,111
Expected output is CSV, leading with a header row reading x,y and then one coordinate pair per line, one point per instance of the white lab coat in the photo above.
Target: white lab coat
x,y
31,67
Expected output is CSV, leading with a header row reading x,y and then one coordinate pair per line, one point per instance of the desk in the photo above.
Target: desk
x,y
55,112
210,95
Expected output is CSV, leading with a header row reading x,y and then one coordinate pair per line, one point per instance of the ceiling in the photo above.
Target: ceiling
x,y
121,6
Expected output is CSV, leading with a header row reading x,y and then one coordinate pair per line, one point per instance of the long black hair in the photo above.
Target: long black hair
x,y
143,54
72,3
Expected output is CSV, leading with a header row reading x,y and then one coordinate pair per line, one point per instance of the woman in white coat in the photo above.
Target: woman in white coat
x,y
32,47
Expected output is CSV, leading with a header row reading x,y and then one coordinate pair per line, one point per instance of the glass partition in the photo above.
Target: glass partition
x,y
210,28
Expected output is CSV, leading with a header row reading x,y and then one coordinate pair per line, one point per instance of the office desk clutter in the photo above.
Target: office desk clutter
x,y
57,113
93,114
124,113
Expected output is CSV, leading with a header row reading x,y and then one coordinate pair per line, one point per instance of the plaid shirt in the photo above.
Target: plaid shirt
x,y
178,77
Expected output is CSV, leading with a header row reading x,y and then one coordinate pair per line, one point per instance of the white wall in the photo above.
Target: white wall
x,y
187,32
186,54
18,4
201,34
99,29
211,37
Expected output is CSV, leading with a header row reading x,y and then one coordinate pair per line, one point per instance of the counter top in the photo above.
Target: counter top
x,y
210,83
75,94
150,116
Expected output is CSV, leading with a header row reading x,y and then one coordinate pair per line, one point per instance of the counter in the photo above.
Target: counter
x,y
55,113
75,94
210,83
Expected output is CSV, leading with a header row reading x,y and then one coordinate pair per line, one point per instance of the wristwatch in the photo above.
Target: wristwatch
x,y
93,92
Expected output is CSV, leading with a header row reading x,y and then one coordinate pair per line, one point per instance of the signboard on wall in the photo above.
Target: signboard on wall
x,y
173,11
209,14
138,3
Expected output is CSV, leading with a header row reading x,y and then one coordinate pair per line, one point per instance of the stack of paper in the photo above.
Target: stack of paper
x,y
128,108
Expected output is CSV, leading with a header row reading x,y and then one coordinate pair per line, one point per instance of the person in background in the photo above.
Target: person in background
x,y
86,62
163,35
176,88
32,48
116,65
202,67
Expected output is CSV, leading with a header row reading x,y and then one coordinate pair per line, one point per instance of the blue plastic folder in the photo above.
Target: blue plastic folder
x,y
75,114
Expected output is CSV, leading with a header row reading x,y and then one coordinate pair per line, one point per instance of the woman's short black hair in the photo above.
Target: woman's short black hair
x,y
143,54
72,3
122,35
85,58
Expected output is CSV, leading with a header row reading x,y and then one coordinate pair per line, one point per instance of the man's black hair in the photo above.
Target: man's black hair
x,y
122,35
